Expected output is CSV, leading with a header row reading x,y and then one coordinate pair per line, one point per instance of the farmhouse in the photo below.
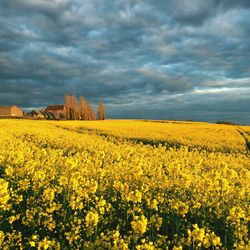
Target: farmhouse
x,y
11,111
59,111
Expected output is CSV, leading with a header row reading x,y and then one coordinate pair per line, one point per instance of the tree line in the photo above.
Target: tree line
x,y
82,110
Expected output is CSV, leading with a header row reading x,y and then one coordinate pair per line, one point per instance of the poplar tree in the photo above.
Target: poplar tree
x,y
82,108
67,106
75,108
90,112
93,114
101,111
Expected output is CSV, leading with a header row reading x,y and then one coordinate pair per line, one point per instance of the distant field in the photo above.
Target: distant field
x,y
111,185
192,134
245,132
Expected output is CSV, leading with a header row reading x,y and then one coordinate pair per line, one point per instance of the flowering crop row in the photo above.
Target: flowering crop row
x,y
73,189
213,137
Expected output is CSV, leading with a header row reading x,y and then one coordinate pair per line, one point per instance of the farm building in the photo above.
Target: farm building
x,y
11,111
59,111
41,114
36,114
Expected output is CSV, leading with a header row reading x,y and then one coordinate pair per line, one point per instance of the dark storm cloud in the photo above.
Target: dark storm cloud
x,y
196,12
146,59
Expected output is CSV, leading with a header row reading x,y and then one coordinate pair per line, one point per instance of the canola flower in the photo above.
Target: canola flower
x,y
4,194
66,188
91,219
139,224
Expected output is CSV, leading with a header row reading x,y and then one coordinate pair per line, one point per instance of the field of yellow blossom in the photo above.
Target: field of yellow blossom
x,y
192,134
123,185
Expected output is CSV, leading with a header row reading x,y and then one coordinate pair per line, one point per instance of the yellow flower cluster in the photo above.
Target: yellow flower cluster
x,y
203,238
139,224
91,219
65,185
1,237
4,195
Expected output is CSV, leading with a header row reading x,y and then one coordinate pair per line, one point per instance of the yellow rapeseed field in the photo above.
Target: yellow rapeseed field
x,y
192,134
87,185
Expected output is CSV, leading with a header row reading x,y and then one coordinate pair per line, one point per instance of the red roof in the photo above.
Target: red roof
x,y
55,107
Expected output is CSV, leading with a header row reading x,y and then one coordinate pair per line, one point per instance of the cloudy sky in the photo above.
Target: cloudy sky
x,y
152,59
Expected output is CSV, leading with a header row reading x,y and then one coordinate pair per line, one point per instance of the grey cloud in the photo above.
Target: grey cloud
x,y
196,12
212,107
134,55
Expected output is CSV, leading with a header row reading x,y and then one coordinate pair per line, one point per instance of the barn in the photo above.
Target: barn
x,y
11,111
59,111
